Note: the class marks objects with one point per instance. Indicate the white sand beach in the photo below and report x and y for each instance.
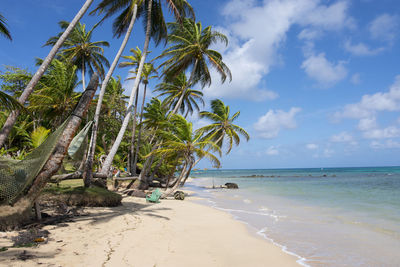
(170, 233)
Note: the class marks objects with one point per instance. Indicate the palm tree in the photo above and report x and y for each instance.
(186, 144)
(3, 28)
(133, 62)
(130, 10)
(126, 20)
(56, 96)
(148, 71)
(172, 90)
(190, 50)
(81, 51)
(222, 127)
(156, 118)
(4, 132)
(155, 27)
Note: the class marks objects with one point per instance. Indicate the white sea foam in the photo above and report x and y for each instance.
(301, 260)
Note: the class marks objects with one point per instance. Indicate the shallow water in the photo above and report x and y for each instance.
(328, 217)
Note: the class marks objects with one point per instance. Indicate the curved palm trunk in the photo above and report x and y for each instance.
(12, 118)
(184, 174)
(140, 128)
(83, 76)
(88, 174)
(132, 150)
(110, 157)
(175, 110)
(187, 175)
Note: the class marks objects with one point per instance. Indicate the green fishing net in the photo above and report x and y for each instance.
(16, 176)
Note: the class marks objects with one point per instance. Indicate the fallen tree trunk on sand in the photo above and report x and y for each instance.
(21, 210)
(74, 175)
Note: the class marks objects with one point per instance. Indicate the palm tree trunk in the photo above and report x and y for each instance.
(83, 76)
(132, 150)
(156, 169)
(140, 128)
(184, 173)
(175, 110)
(88, 174)
(110, 157)
(187, 175)
(12, 118)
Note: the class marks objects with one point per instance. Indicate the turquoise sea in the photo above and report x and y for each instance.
(326, 217)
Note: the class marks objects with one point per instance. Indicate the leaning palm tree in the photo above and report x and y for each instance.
(222, 127)
(191, 50)
(182, 141)
(149, 72)
(7, 127)
(154, 28)
(132, 61)
(3, 28)
(79, 49)
(124, 23)
(173, 90)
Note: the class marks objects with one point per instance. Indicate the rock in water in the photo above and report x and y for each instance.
(179, 195)
(231, 186)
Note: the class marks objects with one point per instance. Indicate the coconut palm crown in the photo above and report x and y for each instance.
(173, 90)
(188, 144)
(189, 49)
(222, 127)
(108, 8)
(81, 51)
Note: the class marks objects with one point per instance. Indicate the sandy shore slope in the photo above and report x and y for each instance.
(171, 233)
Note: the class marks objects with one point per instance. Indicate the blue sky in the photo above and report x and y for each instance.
(316, 81)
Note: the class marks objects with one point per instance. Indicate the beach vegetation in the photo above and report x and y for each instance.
(161, 146)
(79, 49)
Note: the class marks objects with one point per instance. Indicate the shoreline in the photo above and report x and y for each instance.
(171, 233)
(260, 232)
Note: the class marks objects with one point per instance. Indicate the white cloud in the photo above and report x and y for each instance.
(388, 132)
(272, 151)
(370, 104)
(384, 27)
(309, 34)
(388, 144)
(258, 30)
(247, 77)
(367, 109)
(325, 72)
(270, 124)
(312, 146)
(361, 49)
(366, 124)
(355, 78)
(342, 137)
(331, 17)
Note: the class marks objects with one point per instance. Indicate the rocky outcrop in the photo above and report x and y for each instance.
(231, 186)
